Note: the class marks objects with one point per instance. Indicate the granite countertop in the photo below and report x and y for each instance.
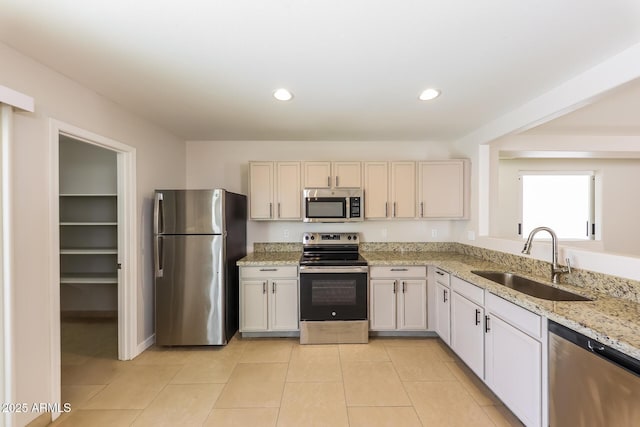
(612, 321)
(270, 258)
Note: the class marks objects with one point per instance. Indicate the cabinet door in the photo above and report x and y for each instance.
(442, 317)
(347, 174)
(514, 370)
(288, 190)
(441, 189)
(376, 184)
(403, 189)
(383, 304)
(261, 190)
(253, 300)
(317, 174)
(467, 332)
(283, 307)
(412, 304)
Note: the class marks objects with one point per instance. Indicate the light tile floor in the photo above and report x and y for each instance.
(272, 382)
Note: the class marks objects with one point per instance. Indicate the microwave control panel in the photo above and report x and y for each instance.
(354, 207)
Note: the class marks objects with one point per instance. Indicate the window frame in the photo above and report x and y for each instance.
(592, 231)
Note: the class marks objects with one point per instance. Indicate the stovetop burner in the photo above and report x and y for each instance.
(331, 249)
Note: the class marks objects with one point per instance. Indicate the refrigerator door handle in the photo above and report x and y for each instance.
(159, 251)
(158, 214)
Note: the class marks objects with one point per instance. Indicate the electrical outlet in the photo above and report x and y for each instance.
(383, 231)
(286, 233)
(434, 232)
(471, 235)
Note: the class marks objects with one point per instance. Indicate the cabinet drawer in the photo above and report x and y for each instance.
(442, 277)
(468, 290)
(397, 272)
(269, 271)
(528, 322)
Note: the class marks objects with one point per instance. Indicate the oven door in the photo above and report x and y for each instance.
(333, 293)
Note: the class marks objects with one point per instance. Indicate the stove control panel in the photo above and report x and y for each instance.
(330, 238)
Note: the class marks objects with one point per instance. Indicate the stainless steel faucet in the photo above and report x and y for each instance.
(556, 269)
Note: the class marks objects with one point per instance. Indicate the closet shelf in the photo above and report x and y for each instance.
(88, 195)
(89, 278)
(87, 223)
(87, 251)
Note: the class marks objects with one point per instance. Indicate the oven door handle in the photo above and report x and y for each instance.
(334, 269)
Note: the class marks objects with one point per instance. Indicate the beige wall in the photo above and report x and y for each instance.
(225, 164)
(160, 163)
(616, 208)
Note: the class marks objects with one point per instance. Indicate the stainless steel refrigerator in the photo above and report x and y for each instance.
(198, 237)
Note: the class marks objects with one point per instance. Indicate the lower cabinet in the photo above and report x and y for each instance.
(440, 304)
(501, 342)
(269, 299)
(467, 324)
(514, 358)
(398, 298)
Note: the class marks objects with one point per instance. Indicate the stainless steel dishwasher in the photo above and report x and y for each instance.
(590, 384)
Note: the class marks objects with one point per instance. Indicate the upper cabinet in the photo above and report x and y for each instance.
(275, 191)
(403, 189)
(390, 190)
(443, 189)
(332, 175)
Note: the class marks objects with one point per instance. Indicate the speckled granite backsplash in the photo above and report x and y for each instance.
(615, 286)
(277, 247)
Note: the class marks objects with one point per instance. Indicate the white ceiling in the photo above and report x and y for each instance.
(206, 69)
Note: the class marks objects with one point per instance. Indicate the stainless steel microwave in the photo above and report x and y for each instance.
(326, 205)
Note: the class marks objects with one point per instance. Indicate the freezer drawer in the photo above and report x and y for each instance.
(190, 291)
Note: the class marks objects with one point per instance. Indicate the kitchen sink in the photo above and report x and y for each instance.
(530, 287)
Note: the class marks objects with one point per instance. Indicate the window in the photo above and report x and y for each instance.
(563, 201)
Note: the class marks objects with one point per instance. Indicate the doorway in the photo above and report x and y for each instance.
(94, 247)
(88, 209)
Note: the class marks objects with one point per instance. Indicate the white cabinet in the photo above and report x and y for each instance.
(442, 189)
(376, 190)
(439, 304)
(514, 358)
(403, 189)
(398, 298)
(467, 324)
(268, 298)
(275, 191)
(332, 174)
(390, 190)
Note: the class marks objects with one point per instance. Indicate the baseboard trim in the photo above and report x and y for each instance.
(145, 345)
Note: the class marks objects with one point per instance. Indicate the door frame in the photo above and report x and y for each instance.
(127, 245)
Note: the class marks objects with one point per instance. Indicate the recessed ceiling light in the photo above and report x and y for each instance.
(429, 94)
(282, 94)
